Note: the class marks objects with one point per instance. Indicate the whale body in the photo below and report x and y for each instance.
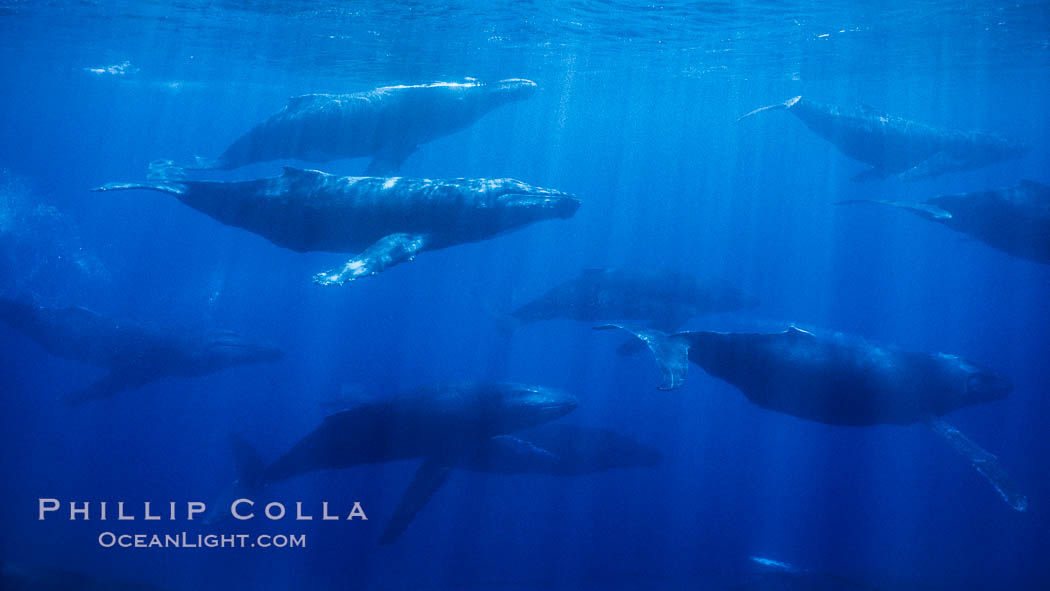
(654, 297)
(387, 123)
(837, 379)
(1014, 220)
(134, 353)
(389, 220)
(895, 146)
(441, 425)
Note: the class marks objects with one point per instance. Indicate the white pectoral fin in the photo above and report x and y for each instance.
(430, 475)
(386, 252)
(983, 461)
(924, 209)
(671, 352)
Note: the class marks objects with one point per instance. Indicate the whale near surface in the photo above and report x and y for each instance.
(441, 425)
(387, 124)
(895, 146)
(838, 379)
(134, 353)
(1014, 220)
(387, 220)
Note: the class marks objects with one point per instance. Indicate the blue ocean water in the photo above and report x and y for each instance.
(635, 114)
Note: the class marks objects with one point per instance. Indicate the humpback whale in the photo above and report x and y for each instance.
(387, 123)
(387, 220)
(1015, 220)
(135, 354)
(440, 425)
(840, 380)
(657, 298)
(895, 146)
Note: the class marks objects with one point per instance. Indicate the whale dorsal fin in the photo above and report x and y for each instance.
(795, 331)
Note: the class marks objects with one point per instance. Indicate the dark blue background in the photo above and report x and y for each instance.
(635, 115)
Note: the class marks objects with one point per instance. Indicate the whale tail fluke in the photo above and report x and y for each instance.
(671, 352)
(983, 461)
(165, 170)
(202, 163)
(164, 176)
(250, 470)
(777, 107)
(250, 464)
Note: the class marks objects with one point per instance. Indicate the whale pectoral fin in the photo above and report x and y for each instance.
(430, 475)
(983, 461)
(386, 252)
(523, 449)
(389, 161)
(924, 209)
(671, 353)
(872, 174)
(932, 167)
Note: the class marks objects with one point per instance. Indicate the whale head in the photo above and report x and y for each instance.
(487, 96)
(520, 203)
(515, 406)
(983, 385)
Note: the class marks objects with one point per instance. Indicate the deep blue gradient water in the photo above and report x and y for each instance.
(635, 114)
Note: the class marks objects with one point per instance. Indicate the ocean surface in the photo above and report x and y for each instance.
(635, 114)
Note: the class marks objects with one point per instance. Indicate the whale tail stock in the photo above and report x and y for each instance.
(250, 470)
(670, 350)
(983, 461)
(777, 107)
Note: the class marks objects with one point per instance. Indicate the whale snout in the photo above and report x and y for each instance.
(514, 194)
(538, 404)
(986, 386)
